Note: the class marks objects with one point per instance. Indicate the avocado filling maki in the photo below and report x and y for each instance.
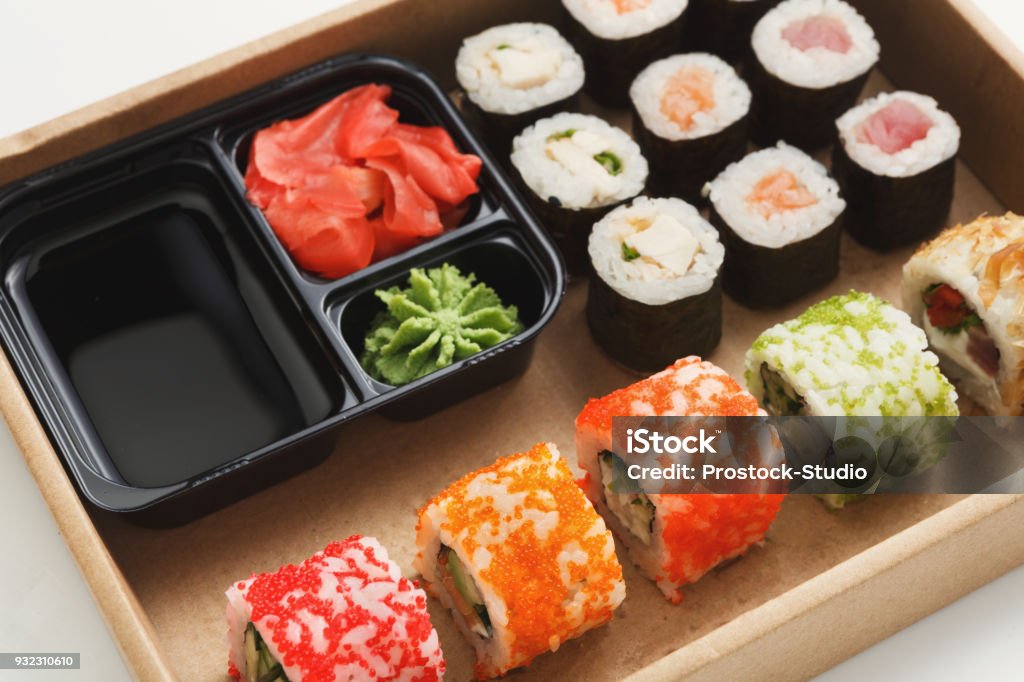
(967, 341)
(781, 399)
(464, 592)
(260, 665)
(634, 510)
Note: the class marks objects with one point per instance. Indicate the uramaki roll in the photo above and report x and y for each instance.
(673, 539)
(520, 557)
(966, 289)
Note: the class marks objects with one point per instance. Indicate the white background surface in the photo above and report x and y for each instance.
(58, 55)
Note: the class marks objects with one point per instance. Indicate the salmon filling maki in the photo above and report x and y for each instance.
(780, 215)
(349, 184)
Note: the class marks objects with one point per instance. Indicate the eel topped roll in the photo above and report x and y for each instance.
(520, 557)
(515, 74)
(618, 38)
(345, 613)
(896, 163)
(655, 290)
(674, 539)
(966, 288)
(690, 117)
(811, 59)
(575, 169)
(780, 216)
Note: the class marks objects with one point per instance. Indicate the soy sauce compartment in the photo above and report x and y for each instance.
(170, 346)
(414, 95)
(503, 261)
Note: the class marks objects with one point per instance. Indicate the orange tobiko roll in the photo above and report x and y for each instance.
(674, 539)
(520, 557)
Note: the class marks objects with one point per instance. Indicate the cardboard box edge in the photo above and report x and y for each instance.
(783, 635)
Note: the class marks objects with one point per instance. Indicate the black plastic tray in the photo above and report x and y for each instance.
(178, 357)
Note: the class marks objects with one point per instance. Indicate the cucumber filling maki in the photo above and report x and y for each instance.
(260, 664)
(464, 592)
(781, 399)
(961, 335)
(633, 509)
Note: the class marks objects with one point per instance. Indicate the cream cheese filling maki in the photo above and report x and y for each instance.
(655, 290)
(966, 289)
(514, 74)
(780, 216)
(811, 60)
(896, 163)
(575, 169)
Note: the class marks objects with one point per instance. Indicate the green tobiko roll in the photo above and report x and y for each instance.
(442, 316)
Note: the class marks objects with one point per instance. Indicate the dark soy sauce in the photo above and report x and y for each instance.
(175, 348)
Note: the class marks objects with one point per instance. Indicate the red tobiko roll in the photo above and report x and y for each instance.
(345, 613)
(348, 184)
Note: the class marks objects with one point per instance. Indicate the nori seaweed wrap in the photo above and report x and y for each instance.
(655, 290)
(810, 61)
(573, 169)
(690, 115)
(780, 217)
(896, 164)
(513, 75)
(618, 38)
(723, 27)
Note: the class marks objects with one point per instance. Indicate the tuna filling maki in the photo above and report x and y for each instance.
(464, 592)
(780, 398)
(634, 510)
(260, 665)
(962, 335)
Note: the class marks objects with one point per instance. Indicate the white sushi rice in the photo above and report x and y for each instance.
(602, 18)
(645, 279)
(940, 144)
(515, 68)
(729, 191)
(854, 355)
(731, 96)
(817, 67)
(558, 165)
(960, 257)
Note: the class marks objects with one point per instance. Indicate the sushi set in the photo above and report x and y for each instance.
(354, 339)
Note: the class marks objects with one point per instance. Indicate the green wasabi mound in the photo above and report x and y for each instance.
(441, 317)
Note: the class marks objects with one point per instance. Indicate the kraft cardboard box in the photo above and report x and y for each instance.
(858, 576)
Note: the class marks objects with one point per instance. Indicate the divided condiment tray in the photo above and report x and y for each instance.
(177, 355)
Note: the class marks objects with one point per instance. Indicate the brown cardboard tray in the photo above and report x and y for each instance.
(822, 587)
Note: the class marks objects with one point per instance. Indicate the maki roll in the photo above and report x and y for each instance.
(723, 27)
(345, 613)
(850, 355)
(515, 74)
(673, 539)
(896, 163)
(617, 38)
(690, 116)
(780, 217)
(966, 288)
(575, 169)
(521, 559)
(655, 290)
(810, 61)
